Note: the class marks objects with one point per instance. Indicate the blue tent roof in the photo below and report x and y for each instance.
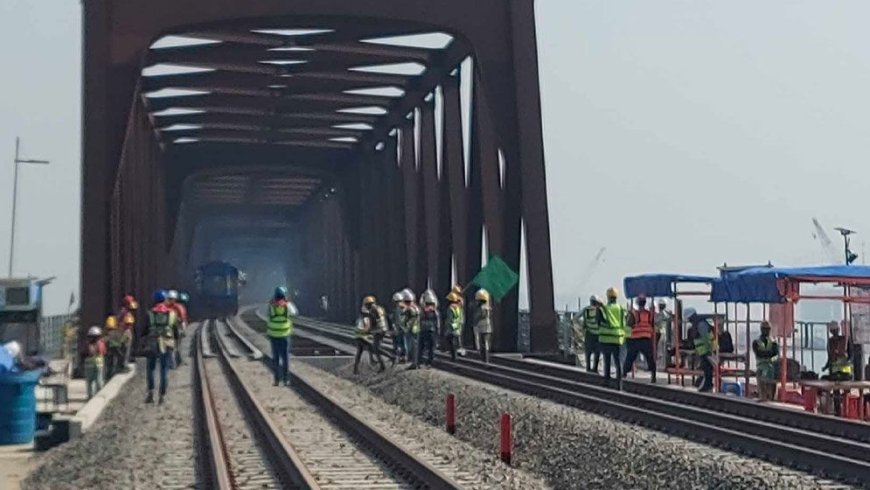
(759, 284)
(659, 284)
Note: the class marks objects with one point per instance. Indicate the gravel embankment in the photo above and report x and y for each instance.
(433, 444)
(571, 448)
(132, 445)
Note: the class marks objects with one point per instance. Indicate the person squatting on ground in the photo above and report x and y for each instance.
(453, 323)
(766, 351)
(279, 329)
(400, 351)
(94, 363)
(611, 335)
(586, 327)
(159, 342)
(641, 340)
(483, 324)
(430, 320)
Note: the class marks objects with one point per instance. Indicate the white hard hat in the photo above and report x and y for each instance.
(172, 294)
(408, 295)
(13, 348)
(663, 301)
(94, 331)
(689, 312)
(428, 297)
(397, 297)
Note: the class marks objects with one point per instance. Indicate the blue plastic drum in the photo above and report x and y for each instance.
(18, 407)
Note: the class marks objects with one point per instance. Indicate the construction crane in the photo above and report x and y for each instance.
(586, 273)
(827, 245)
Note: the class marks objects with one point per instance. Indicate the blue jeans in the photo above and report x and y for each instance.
(280, 358)
(425, 346)
(165, 361)
(399, 348)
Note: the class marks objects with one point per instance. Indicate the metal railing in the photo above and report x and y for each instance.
(52, 343)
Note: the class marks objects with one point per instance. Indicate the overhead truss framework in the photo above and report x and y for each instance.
(350, 120)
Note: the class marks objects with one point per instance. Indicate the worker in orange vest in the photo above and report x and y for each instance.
(640, 341)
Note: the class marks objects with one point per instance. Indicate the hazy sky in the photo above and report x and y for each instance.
(678, 134)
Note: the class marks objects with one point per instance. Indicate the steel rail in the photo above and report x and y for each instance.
(211, 448)
(283, 458)
(413, 469)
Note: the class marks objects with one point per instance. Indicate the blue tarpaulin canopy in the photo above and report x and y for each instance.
(660, 285)
(759, 284)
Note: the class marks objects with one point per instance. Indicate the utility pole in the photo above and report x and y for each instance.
(17, 160)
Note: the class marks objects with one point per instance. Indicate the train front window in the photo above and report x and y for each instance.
(17, 296)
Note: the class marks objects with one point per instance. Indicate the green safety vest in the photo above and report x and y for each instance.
(279, 324)
(764, 365)
(613, 331)
(704, 344)
(363, 330)
(116, 338)
(455, 320)
(590, 320)
(160, 324)
(412, 320)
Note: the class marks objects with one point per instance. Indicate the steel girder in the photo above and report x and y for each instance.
(396, 218)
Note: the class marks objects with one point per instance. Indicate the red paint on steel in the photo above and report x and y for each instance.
(451, 413)
(506, 438)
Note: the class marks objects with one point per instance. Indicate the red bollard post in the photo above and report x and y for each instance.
(506, 438)
(451, 413)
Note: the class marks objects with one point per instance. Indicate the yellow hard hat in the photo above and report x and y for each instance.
(612, 293)
(111, 322)
(369, 300)
(453, 297)
(482, 295)
(129, 319)
(457, 289)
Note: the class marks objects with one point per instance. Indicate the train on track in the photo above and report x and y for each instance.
(217, 290)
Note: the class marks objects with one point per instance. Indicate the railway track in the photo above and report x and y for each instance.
(827, 449)
(239, 441)
(332, 447)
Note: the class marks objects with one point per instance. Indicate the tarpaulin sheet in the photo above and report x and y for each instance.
(760, 284)
(659, 285)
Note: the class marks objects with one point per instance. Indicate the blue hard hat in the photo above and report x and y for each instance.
(281, 292)
(160, 296)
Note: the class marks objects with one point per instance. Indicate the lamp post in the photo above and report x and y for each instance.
(849, 255)
(17, 160)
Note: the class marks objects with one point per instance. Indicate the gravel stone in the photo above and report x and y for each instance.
(132, 445)
(432, 443)
(570, 448)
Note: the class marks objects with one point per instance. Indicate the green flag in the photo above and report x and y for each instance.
(496, 277)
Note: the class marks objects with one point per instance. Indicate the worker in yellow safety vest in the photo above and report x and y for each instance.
(611, 335)
(454, 322)
(706, 347)
(279, 329)
(159, 344)
(585, 330)
(766, 351)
